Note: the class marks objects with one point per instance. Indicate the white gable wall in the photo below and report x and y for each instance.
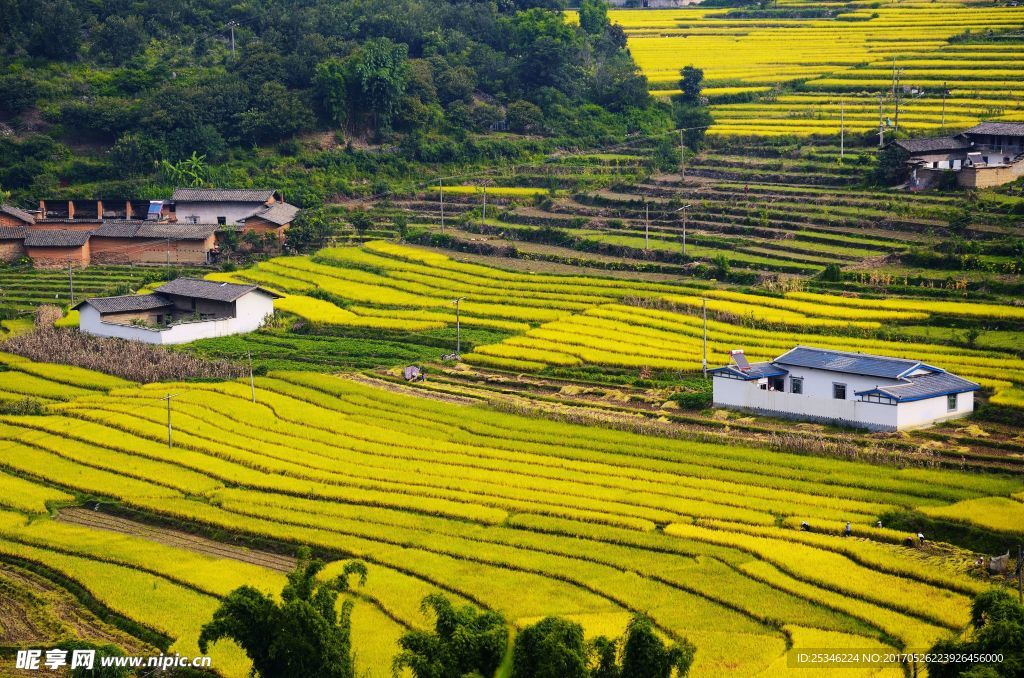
(818, 383)
(207, 212)
(251, 311)
(920, 413)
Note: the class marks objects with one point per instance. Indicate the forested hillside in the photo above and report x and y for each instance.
(108, 96)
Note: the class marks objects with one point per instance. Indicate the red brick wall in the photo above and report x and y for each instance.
(59, 257)
(11, 249)
(8, 220)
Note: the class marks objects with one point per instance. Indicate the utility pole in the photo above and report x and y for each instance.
(168, 252)
(483, 215)
(683, 210)
(170, 429)
(945, 93)
(842, 130)
(231, 25)
(1020, 572)
(682, 156)
(899, 74)
(252, 382)
(881, 123)
(458, 327)
(647, 226)
(71, 282)
(440, 187)
(704, 359)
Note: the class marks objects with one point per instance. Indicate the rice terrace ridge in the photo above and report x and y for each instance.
(525, 339)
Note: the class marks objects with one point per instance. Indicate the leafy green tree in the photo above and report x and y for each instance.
(691, 83)
(645, 655)
(382, 70)
(278, 113)
(332, 81)
(191, 171)
(119, 39)
(891, 168)
(136, 153)
(594, 16)
(603, 653)
(524, 117)
(464, 642)
(551, 648)
(619, 84)
(309, 230)
(401, 223)
(303, 635)
(997, 626)
(360, 220)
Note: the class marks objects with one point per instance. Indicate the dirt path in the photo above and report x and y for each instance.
(179, 539)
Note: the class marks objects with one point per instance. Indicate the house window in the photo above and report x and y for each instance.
(796, 384)
(222, 220)
(776, 384)
(935, 164)
(839, 391)
(951, 402)
(193, 219)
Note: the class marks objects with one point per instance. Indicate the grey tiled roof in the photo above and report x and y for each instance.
(118, 228)
(176, 231)
(279, 213)
(1013, 129)
(13, 232)
(56, 238)
(925, 386)
(221, 195)
(127, 303)
(27, 217)
(756, 371)
(205, 289)
(933, 144)
(850, 363)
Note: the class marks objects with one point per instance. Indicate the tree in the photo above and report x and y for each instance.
(382, 70)
(361, 220)
(594, 16)
(892, 165)
(997, 626)
(136, 153)
(277, 113)
(551, 648)
(401, 223)
(332, 80)
(691, 83)
(524, 117)
(619, 85)
(309, 230)
(119, 39)
(303, 635)
(645, 655)
(464, 642)
(192, 171)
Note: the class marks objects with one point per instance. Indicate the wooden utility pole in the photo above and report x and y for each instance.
(440, 187)
(170, 428)
(945, 93)
(458, 327)
(682, 155)
(881, 123)
(252, 382)
(483, 215)
(898, 96)
(71, 282)
(647, 226)
(704, 360)
(842, 130)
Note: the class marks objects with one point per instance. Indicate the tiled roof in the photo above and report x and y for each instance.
(1013, 129)
(849, 363)
(206, 289)
(118, 228)
(127, 303)
(279, 213)
(925, 386)
(756, 371)
(177, 231)
(933, 144)
(13, 232)
(56, 238)
(221, 195)
(27, 217)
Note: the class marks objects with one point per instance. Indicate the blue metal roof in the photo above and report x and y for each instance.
(756, 371)
(923, 387)
(850, 363)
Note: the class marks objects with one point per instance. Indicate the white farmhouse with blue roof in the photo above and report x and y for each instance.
(858, 389)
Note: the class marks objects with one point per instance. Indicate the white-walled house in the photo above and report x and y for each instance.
(857, 389)
(181, 311)
(221, 205)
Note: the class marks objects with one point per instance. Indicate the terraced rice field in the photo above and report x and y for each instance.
(567, 321)
(798, 71)
(527, 516)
